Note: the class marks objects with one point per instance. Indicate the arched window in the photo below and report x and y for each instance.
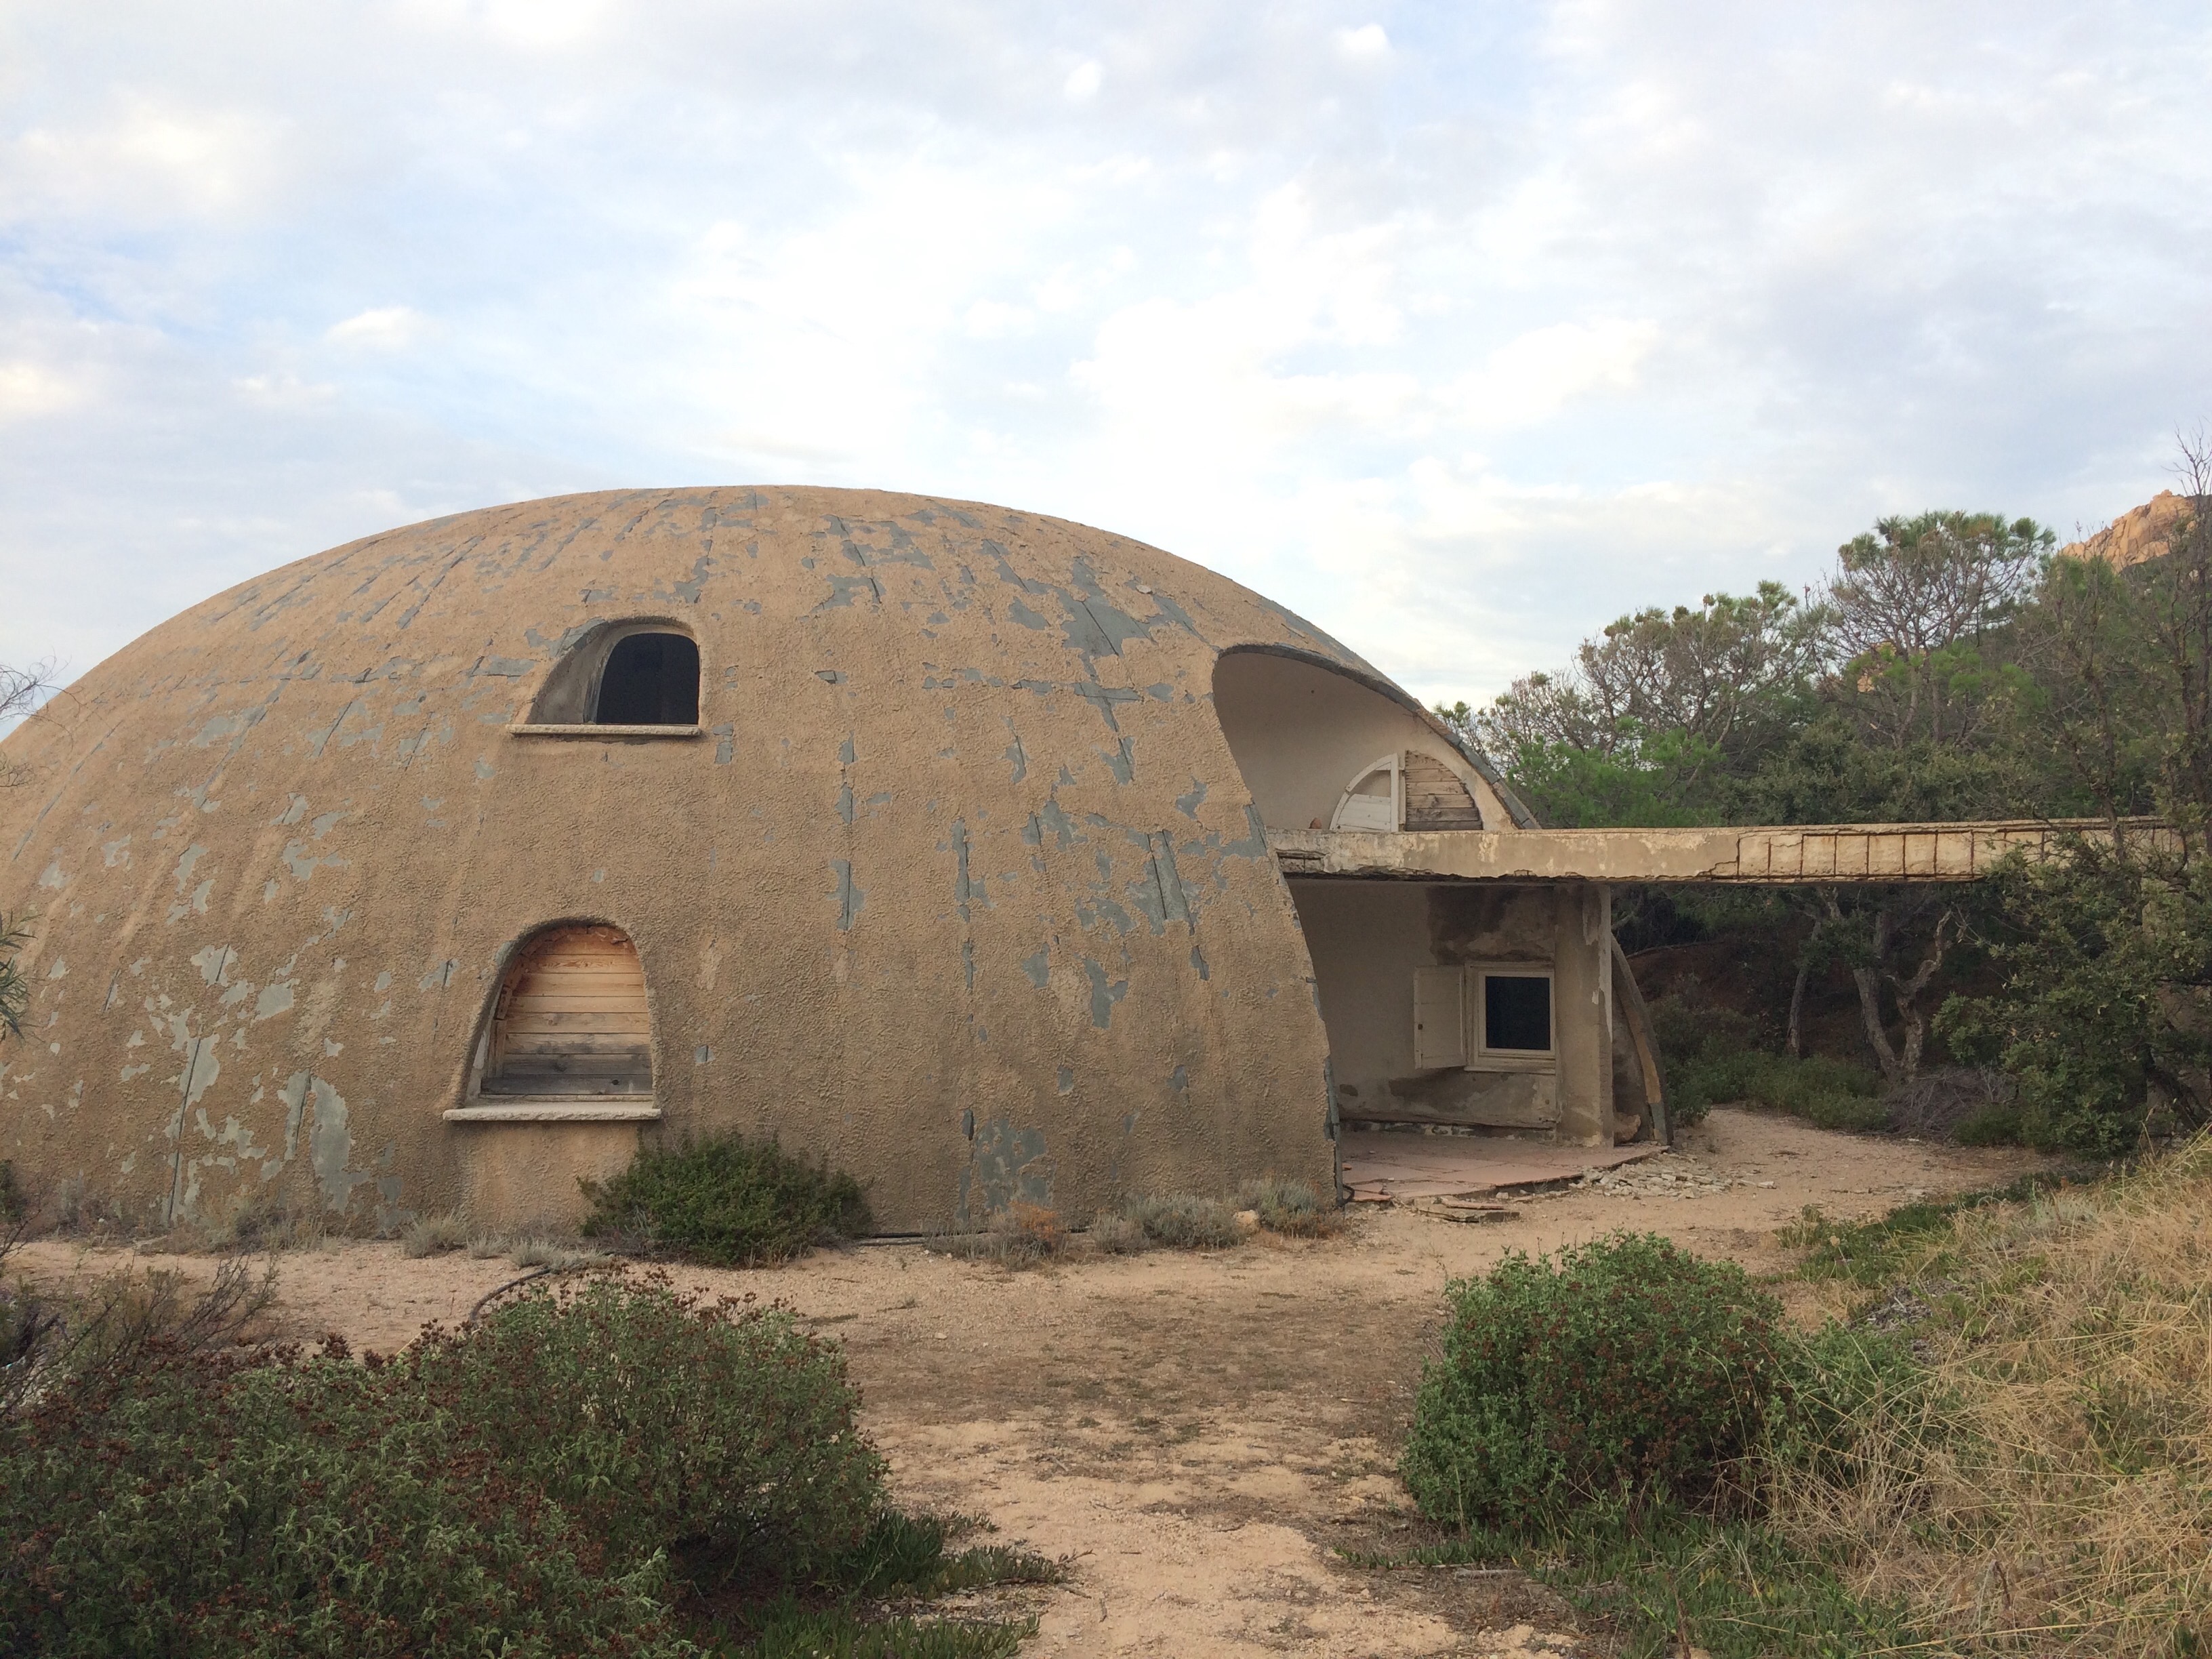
(1408, 791)
(650, 679)
(642, 673)
(1296, 729)
(571, 1018)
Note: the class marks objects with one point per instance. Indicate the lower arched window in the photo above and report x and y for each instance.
(571, 1018)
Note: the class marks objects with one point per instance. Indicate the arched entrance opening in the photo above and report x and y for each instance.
(1488, 1005)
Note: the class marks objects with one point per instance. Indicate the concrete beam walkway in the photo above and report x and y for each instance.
(1816, 853)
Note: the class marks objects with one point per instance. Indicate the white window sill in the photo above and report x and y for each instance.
(568, 1108)
(1513, 1062)
(606, 734)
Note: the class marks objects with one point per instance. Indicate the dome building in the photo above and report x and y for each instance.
(432, 872)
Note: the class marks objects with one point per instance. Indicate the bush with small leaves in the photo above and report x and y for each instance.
(1117, 1235)
(203, 1508)
(717, 1432)
(1617, 1368)
(728, 1201)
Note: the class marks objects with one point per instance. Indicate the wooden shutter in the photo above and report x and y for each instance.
(571, 1018)
(1439, 1018)
(1435, 797)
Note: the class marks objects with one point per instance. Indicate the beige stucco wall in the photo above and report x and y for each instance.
(961, 888)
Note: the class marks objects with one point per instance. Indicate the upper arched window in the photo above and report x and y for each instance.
(650, 679)
(1298, 729)
(640, 674)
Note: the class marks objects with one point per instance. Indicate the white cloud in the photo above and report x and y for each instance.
(1460, 336)
(383, 328)
(1367, 44)
(146, 158)
(1533, 377)
(29, 389)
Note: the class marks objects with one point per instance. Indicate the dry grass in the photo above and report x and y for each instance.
(1020, 1235)
(2046, 1487)
(435, 1234)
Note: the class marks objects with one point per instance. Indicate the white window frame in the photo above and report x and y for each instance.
(1481, 1057)
(1394, 764)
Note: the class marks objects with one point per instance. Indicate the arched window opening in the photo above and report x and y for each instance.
(1371, 801)
(1435, 796)
(1408, 790)
(1298, 728)
(650, 679)
(571, 1018)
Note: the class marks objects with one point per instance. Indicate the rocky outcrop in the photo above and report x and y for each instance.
(2142, 533)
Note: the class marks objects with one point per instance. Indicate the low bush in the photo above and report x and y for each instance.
(728, 1201)
(1617, 1369)
(717, 1433)
(610, 1469)
(1288, 1206)
(299, 1508)
(1830, 1094)
(1117, 1235)
(1179, 1221)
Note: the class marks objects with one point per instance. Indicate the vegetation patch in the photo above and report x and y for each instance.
(1617, 1371)
(1290, 1208)
(613, 1469)
(1713, 1058)
(1174, 1221)
(1022, 1234)
(2047, 1469)
(2002, 1444)
(728, 1200)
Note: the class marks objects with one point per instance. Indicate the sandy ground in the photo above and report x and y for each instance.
(1200, 1434)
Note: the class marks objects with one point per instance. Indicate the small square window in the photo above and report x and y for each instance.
(1516, 1013)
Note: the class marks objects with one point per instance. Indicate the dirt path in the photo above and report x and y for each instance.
(1200, 1433)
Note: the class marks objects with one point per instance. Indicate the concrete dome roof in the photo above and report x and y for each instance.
(958, 884)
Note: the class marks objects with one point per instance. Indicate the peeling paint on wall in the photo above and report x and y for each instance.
(1006, 1166)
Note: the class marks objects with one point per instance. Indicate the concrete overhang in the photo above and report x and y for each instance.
(1816, 853)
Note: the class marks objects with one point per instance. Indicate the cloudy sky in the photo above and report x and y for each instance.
(1460, 327)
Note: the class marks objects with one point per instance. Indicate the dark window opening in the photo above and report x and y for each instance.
(1517, 1012)
(650, 679)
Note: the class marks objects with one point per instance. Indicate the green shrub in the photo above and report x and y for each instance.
(523, 1486)
(727, 1201)
(1618, 1367)
(1179, 1221)
(1992, 1126)
(193, 1507)
(906, 1554)
(1288, 1206)
(721, 1434)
